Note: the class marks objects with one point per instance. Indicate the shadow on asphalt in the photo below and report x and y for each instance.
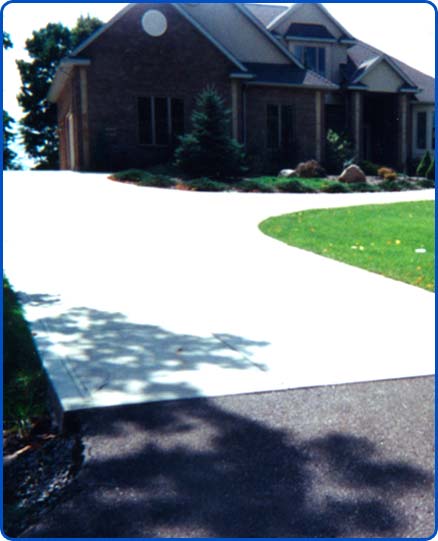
(191, 469)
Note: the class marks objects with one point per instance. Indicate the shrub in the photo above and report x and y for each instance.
(206, 185)
(156, 181)
(339, 151)
(426, 183)
(369, 168)
(363, 187)
(253, 186)
(130, 175)
(294, 186)
(209, 150)
(424, 165)
(387, 173)
(430, 173)
(391, 185)
(310, 169)
(335, 187)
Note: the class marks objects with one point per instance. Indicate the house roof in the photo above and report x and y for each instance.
(345, 35)
(369, 65)
(284, 75)
(235, 27)
(265, 13)
(365, 55)
(309, 31)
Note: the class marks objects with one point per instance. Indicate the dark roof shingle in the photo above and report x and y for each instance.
(265, 13)
(302, 30)
(283, 74)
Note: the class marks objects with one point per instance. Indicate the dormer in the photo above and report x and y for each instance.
(315, 38)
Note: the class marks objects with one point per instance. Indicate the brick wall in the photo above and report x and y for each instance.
(304, 126)
(127, 63)
(69, 103)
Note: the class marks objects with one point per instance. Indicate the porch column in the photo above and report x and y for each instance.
(85, 138)
(403, 130)
(319, 131)
(358, 123)
(235, 107)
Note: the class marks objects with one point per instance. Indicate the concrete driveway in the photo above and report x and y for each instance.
(141, 295)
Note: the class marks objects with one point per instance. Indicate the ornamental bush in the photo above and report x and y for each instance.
(424, 165)
(339, 151)
(209, 150)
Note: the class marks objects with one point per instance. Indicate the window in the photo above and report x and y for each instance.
(312, 57)
(160, 120)
(433, 131)
(279, 126)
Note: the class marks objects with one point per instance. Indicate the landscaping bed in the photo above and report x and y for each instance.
(269, 184)
(39, 464)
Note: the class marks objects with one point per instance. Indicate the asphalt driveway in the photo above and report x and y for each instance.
(348, 461)
(141, 295)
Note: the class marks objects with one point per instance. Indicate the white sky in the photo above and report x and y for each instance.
(403, 30)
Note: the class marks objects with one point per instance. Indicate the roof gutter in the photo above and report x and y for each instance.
(62, 75)
(293, 85)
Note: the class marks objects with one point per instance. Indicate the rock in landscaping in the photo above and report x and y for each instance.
(352, 174)
(287, 173)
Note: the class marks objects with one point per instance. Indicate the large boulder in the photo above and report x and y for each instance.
(353, 173)
(287, 173)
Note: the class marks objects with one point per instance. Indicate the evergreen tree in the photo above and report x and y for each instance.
(46, 48)
(9, 155)
(7, 42)
(209, 150)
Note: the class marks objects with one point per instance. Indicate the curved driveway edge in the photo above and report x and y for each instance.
(140, 294)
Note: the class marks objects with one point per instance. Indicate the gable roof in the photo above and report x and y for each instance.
(371, 64)
(245, 37)
(361, 53)
(201, 16)
(265, 13)
(345, 35)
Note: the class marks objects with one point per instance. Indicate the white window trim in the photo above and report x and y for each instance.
(430, 120)
(314, 45)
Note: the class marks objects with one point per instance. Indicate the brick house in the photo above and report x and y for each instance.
(287, 75)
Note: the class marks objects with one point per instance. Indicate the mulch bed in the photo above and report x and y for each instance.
(37, 471)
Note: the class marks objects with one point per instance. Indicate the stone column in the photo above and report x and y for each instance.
(402, 131)
(85, 138)
(235, 108)
(358, 123)
(320, 126)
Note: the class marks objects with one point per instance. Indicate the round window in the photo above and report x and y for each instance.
(154, 23)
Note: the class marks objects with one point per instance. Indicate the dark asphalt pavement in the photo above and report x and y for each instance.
(351, 460)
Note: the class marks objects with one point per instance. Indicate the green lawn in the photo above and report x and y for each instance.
(396, 240)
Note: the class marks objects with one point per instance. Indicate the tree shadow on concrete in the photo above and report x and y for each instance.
(113, 360)
(197, 468)
(192, 468)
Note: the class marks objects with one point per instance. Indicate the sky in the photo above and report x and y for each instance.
(403, 30)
